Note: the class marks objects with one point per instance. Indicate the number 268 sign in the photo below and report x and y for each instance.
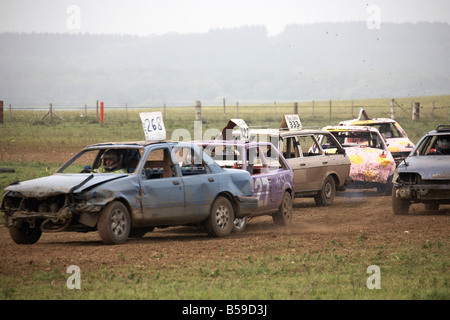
(153, 125)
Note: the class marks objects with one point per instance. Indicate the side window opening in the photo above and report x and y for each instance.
(159, 164)
(190, 161)
(309, 146)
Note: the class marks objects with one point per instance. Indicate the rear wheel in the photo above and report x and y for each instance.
(220, 222)
(399, 206)
(114, 223)
(284, 214)
(240, 224)
(325, 197)
(24, 233)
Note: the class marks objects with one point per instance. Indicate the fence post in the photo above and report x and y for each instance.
(237, 109)
(392, 110)
(1, 111)
(330, 110)
(295, 108)
(198, 110)
(352, 116)
(97, 110)
(275, 109)
(224, 110)
(432, 109)
(313, 114)
(416, 111)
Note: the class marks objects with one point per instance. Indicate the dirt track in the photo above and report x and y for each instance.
(352, 216)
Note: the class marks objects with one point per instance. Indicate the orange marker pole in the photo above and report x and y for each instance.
(101, 112)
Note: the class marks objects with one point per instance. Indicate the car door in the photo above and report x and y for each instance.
(162, 189)
(200, 185)
(262, 178)
(292, 155)
(336, 160)
(307, 161)
(314, 158)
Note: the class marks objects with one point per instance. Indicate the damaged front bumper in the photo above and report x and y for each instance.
(423, 192)
(50, 214)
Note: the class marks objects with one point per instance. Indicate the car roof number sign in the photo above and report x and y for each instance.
(243, 127)
(153, 125)
(291, 121)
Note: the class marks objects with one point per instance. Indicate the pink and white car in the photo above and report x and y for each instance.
(396, 138)
(372, 163)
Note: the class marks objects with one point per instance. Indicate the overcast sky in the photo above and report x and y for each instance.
(149, 17)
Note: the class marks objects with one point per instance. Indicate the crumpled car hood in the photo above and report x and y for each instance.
(59, 184)
(429, 167)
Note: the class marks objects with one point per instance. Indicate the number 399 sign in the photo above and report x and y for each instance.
(153, 125)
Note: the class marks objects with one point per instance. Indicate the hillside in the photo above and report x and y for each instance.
(305, 62)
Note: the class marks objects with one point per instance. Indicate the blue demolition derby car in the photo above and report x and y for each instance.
(128, 189)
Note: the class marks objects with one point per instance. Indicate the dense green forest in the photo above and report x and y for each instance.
(305, 62)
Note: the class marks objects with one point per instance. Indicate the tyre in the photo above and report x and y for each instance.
(240, 224)
(325, 197)
(220, 222)
(114, 223)
(399, 206)
(23, 233)
(284, 215)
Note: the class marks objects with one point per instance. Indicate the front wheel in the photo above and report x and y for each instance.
(399, 206)
(114, 223)
(24, 233)
(220, 222)
(325, 197)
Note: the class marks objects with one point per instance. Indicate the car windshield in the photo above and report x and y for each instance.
(104, 160)
(388, 130)
(359, 138)
(433, 145)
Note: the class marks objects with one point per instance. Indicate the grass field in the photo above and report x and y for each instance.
(329, 273)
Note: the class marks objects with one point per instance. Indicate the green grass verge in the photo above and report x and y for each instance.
(408, 273)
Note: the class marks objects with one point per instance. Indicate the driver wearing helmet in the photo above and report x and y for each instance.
(111, 162)
(443, 146)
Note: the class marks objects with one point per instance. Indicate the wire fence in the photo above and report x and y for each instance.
(252, 113)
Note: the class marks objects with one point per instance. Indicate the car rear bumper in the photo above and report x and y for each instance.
(246, 206)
